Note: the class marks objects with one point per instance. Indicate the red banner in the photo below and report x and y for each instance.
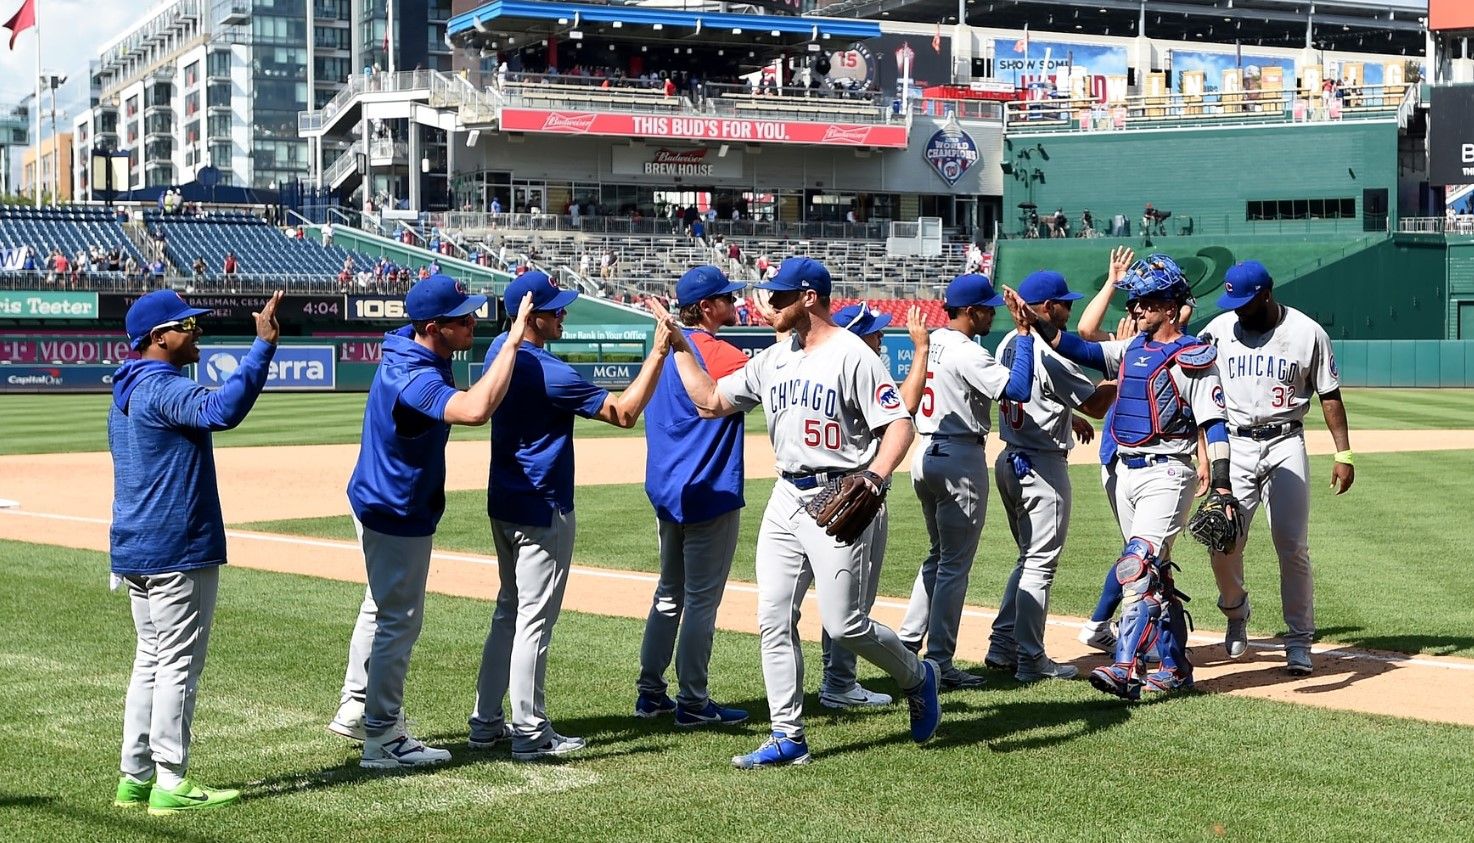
(737, 130)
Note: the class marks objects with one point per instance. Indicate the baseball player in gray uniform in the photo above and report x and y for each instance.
(832, 410)
(950, 471)
(841, 686)
(1271, 359)
(1033, 480)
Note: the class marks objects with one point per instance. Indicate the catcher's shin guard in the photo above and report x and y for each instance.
(1141, 593)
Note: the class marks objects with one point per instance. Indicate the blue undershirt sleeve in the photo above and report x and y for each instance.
(1215, 431)
(1084, 352)
(1020, 386)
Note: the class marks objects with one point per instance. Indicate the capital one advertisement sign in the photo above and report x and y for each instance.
(737, 130)
(701, 161)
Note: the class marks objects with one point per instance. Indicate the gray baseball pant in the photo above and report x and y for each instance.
(532, 564)
(388, 625)
(172, 614)
(792, 552)
(695, 560)
(951, 479)
(839, 662)
(1273, 472)
(1038, 510)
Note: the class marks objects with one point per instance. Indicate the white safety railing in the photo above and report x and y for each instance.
(1461, 224)
(1370, 102)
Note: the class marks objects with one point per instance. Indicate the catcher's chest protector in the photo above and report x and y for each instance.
(1148, 404)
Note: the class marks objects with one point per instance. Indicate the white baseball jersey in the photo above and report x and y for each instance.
(1199, 389)
(962, 381)
(824, 409)
(1043, 422)
(1269, 378)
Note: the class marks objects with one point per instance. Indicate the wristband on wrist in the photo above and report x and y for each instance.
(1345, 457)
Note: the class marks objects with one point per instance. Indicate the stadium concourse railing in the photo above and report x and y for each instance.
(117, 282)
(1462, 224)
(479, 224)
(1244, 108)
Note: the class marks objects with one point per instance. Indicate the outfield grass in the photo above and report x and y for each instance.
(1055, 761)
(1391, 573)
(43, 424)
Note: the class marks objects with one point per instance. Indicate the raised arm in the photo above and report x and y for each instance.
(914, 387)
(1094, 314)
(625, 410)
(701, 388)
(474, 406)
(227, 407)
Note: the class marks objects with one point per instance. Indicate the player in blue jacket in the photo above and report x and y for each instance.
(167, 541)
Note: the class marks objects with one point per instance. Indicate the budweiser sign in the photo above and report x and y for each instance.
(725, 130)
(575, 123)
(683, 162)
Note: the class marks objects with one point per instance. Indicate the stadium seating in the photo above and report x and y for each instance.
(68, 228)
(260, 249)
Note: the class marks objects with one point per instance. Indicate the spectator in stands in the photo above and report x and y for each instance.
(849, 216)
(199, 268)
(734, 256)
(130, 268)
(114, 260)
(606, 264)
(698, 231)
(231, 265)
(669, 87)
(1087, 224)
(327, 233)
(974, 258)
(158, 268)
(1060, 224)
(496, 205)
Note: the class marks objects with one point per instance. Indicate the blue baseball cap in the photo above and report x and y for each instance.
(972, 289)
(151, 311)
(437, 296)
(860, 320)
(1046, 285)
(703, 282)
(1242, 283)
(546, 295)
(799, 274)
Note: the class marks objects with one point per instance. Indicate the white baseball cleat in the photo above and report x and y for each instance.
(348, 722)
(398, 749)
(856, 697)
(1099, 635)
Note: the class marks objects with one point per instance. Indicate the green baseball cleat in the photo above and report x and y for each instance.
(189, 797)
(132, 794)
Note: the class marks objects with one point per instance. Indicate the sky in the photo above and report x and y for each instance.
(72, 33)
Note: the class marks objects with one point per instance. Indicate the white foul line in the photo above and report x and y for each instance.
(746, 588)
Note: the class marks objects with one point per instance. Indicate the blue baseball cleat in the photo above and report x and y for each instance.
(1167, 680)
(710, 714)
(777, 751)
(653, 705)
(926, 712)
(1117, 680)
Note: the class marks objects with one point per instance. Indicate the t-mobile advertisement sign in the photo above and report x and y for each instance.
(1451, 136)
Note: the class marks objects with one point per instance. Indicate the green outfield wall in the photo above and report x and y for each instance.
(1205, 174)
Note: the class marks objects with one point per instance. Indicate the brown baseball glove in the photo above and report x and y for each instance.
(846, 505)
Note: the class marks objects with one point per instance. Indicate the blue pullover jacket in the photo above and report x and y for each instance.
(166, 503)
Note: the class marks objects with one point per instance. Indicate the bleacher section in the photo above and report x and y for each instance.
(260, 248)
(71, 229)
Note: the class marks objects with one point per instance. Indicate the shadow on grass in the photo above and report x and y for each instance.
(7, 801)
(1435, 645)
(108, 823)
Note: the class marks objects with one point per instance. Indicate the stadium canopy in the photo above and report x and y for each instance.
(505, 24)
(195, 192)
(1380, 26)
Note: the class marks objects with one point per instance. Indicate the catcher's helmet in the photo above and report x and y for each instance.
(1155, 276)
